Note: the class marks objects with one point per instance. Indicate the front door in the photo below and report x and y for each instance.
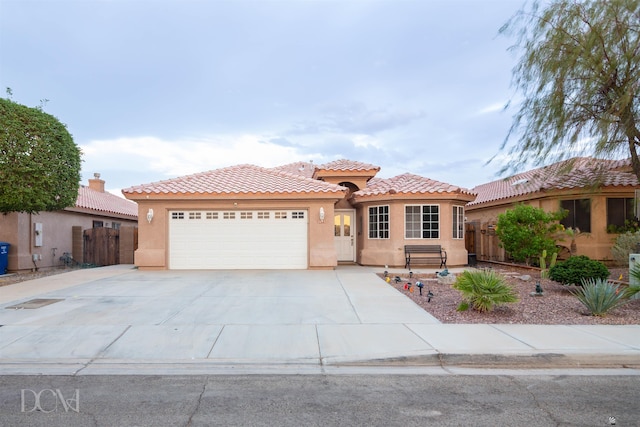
(344, 235)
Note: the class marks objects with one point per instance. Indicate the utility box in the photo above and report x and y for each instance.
(37, 234)
(4, 257)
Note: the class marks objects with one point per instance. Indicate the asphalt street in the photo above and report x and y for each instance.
(584, 398)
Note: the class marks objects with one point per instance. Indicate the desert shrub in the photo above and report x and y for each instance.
(625, 244)
(576, 268)
(483, 290)
(599, 296)
(526, 231)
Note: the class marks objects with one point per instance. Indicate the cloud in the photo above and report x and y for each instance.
(492, 108)
(355, 118)
(162, 159)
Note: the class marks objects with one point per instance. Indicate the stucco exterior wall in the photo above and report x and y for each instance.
(18, 230)
(380, 252)
(596, 244)
(153, 250)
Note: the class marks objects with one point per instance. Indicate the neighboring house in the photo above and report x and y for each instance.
(599, 195)
(295, 216)
(40, 240)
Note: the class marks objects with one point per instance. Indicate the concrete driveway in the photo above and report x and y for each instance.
(234, 317)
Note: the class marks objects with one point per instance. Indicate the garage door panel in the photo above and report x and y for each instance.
(213, 240)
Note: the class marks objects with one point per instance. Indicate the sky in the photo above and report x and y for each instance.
(155, 89)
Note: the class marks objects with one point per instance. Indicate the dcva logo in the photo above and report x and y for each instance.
(48, 400)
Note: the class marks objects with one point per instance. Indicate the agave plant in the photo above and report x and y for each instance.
(634, 273)
(600, 296)
(483, 290)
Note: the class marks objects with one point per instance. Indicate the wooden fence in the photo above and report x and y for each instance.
(481, 239)
(105, 246)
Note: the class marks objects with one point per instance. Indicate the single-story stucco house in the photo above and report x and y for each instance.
(599, 195)
(295, 216)
(39, 240)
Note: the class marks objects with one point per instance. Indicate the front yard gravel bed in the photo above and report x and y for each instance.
(557, 307)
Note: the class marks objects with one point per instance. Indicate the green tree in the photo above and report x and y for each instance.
(578, 74)
(526, 231)
(39, 162)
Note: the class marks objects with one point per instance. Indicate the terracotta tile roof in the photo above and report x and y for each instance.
(580, 172)
(348, 165)
(240, 179)
(105, 202)
(305, 169)
(408, 184)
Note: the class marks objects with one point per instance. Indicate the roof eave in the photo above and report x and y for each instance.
(146, 196)
(388, 196)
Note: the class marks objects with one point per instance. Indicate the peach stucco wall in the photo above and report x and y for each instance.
(18, 230)
(596, 244)
(153, 252)
(391, 251)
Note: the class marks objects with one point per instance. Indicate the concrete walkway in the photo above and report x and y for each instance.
(121, 320)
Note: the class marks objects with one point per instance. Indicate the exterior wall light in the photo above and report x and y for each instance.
(150, 215)
(321, 214)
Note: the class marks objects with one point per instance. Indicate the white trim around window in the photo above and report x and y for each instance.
(378, 222)
(422, 221)
(458, 222)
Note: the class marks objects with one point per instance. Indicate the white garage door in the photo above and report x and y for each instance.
(269, 239)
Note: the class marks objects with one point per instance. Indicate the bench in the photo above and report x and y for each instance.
(427, 254)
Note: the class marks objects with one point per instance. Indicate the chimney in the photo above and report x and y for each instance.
(96, 184)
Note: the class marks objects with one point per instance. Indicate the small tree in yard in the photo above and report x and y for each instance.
(525, 232)
(39, 162)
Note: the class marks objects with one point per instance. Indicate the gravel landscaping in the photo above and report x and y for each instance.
(556, 307)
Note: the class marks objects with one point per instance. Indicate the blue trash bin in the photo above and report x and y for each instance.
(4, 257)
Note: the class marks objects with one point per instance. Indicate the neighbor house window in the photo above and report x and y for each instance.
(619, 211)
(379, 222)
(458, 222)
(115, 225)
(422, 221)
(98, 224)
(579, 215)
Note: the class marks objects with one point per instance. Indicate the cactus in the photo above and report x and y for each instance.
(544, 271)
(554, 258)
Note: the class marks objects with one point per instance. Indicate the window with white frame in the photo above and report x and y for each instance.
(379, 222)
(458, 222)
(422, 222)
